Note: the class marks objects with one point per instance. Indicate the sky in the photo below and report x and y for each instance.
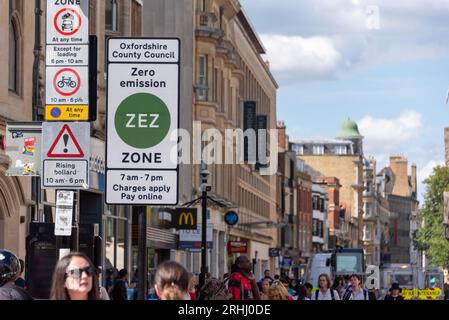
(382, 63)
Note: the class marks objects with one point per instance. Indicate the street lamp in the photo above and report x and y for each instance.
(204, 173)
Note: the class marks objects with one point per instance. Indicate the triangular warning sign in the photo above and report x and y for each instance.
(65, 145)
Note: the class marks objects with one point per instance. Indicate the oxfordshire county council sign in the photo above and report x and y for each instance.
(142, 116)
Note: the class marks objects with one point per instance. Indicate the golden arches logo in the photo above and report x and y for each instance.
(186, 216)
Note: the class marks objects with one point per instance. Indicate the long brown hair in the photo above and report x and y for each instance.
(58, 289)
(172, 279)
(328, 280)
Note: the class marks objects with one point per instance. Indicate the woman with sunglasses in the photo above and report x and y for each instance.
(75, 278)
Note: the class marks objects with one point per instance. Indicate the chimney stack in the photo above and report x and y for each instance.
(414, 181)
(399, 166)
(282, 136)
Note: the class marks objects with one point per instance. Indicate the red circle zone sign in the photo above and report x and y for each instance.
(67, 82)
(67, 21)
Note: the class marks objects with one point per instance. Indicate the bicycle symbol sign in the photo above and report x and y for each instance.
(67, 82)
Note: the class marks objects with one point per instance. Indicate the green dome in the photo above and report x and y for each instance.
(349, 130)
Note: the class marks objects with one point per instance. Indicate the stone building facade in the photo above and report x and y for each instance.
(341, 158)
(223, 69)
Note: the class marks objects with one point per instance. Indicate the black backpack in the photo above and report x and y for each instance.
(348, 292)
(318, 291)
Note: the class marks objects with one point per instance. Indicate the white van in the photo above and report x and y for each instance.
(339, 262)
(318, 264)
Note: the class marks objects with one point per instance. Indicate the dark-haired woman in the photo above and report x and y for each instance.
(172, 281)
(75, 278)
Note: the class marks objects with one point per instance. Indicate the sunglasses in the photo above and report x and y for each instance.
(76, 273)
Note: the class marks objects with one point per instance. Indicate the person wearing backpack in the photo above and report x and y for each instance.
(241, 284)
(325, 290)
(355, 291)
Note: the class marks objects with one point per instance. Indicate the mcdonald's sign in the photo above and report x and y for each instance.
(184, 218)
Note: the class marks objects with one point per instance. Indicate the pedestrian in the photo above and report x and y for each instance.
(301, 292)
(104, 295)
(242, 284)
(446, 291)
(75, 278)
(395, 293)
(214, 289)
(20, 281)
(286, 282)
(355, 291)
(109, 281)
(151, 292)
(266, 275)
(309, 290)
(372, 294)
(325, 290)
(194, 291)
(120, 290)
(266, 284)
(340, 285)
(9, 272)
(172, 281)
(277, 291)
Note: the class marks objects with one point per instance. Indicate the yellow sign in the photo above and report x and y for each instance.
(186, 216)
(425, 294)
(67, 113)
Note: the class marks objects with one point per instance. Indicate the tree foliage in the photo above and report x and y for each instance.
(430, 237)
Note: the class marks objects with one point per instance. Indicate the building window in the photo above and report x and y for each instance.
(341, 150)
(318, 149)
(298, 149)
(111, 15)
(369, 187)
(136, 18)
(215, 86)
(320, 229)
(315, 204)
(367, 236)
(315, 228)
(13, 57)
(202, 78)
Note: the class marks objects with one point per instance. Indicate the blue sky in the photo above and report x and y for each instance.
(382, 63)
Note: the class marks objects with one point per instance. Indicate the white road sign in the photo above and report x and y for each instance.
(67, 21)
(64, 198)
(67, 86)
(144, 50)
(63, 221)
(67, 60)
(142, 114)
(65, 154)
(67, 55)
(142, 186)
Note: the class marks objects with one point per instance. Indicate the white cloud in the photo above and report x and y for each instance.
(306, 58)
(409, 30)
(425, 172)
(400, 135)
(387, 134)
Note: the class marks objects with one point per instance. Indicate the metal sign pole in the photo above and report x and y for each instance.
(76, 217)
(204, 188)
(142, 257)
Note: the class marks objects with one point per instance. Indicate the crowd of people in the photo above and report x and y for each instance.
(76, 278)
